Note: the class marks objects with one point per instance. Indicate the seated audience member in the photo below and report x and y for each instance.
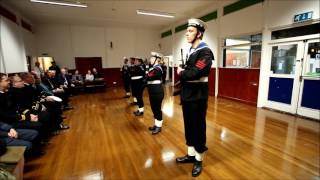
(17, 137)
(44, 100)
(89, 76)
(8, 110)
(77, 78)
(53, 85)
(96, 74)
(68, 74)
(65, 80)
(25, 96)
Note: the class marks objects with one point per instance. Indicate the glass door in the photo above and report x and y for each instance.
(285, 70)
(309, 96)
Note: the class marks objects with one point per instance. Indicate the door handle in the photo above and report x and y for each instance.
(299, 60)
(253, 83)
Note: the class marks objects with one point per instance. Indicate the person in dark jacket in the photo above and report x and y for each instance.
(194, 94)
(137, 80)
(156, 92)
(125, 71)
(55, 67)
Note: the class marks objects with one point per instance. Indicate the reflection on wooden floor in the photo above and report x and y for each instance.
(106, 141)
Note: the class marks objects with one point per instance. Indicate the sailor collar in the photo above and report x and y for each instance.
(200, 46)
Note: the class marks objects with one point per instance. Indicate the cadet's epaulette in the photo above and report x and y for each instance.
(36, 106)
(25, 111)
(23, 117)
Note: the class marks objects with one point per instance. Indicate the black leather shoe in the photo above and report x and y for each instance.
(197, 168)
(138, 113)
(126, 96)
(67, 108)
(156, 130)
(134, 103)
(63, 126)
(186, 159)
(152, 128)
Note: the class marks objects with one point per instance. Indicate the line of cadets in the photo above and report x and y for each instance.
(31, 109)
(194, 92)
(136, 76)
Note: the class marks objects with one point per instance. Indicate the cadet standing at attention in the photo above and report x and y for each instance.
(155, 89)
(194, 94)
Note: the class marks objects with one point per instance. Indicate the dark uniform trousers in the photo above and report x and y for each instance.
(195, 124)
(137, 91)
(156, 95)
(126, 78)
(126, 82)
(137, 82)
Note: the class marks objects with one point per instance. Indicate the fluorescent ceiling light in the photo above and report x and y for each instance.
(155, 13)
(61, 3)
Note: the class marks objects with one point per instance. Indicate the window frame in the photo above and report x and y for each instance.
(249, 65)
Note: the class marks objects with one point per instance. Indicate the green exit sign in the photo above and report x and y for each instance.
(302, 17)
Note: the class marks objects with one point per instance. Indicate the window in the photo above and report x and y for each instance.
(313, 60)
(242, 52)
(283, 59)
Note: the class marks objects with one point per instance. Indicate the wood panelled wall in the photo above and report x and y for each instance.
(212, 82)
(112, 75)
(239, 84)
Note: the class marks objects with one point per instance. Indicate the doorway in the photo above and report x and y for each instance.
(294, 79)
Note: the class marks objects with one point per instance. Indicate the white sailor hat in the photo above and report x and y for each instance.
(198, 23)
(155, 54)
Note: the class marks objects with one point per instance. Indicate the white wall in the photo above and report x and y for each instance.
(123, 41)
(166, 45)
(211, 37)
(64, 42)
(281, 13)
(12, 47)
(179, 42)
(244, 21)
(56, 42)
(29, 42)
(16, 43)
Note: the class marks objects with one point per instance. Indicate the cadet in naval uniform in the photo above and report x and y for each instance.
(137, 80)
(194, 94)
(155, 89)
(131, 69)
(126, 76)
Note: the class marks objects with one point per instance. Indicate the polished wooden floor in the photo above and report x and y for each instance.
(106, 141)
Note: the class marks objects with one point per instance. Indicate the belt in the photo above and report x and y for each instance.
(154, 82)
(136, 77)
(202, 79)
